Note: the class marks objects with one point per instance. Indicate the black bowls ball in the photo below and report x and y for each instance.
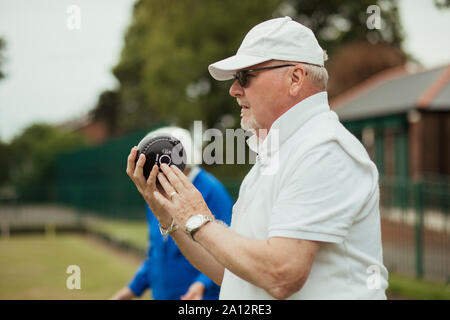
(159, 150)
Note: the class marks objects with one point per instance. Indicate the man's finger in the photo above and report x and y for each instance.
(173, 178)
(168, 189)
(184, 179)
(139, 170)
(131, 162)
(152, 176)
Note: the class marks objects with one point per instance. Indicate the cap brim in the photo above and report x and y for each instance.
(226, 68)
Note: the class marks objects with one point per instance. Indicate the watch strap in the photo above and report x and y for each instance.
(206, 219)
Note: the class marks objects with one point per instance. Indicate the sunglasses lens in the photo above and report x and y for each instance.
(241, 77)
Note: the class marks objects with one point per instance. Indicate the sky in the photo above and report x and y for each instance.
(55, 71)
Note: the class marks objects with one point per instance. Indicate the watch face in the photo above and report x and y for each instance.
(194, 222)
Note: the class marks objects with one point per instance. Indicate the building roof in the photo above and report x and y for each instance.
(395, 91)
(442, 99)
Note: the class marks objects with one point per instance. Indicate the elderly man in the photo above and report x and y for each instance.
(311, 228)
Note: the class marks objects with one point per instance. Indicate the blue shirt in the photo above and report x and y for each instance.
(166, 271)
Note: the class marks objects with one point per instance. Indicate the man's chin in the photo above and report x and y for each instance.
(249, 125)
(246, 126)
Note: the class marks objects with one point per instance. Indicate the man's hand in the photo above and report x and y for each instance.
(184, 200)
(147, 187)
(124, 294)
(195, 292)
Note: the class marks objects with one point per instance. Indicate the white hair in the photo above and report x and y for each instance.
(193, 152)
(318, 75)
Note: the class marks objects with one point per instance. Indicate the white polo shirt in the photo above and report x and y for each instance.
(316, 182)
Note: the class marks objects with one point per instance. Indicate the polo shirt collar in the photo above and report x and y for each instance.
(289, 122)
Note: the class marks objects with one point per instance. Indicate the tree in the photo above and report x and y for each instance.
(356, 51)
(442, 4)
(33, 155)
(336, 22)
(5, 162)
(107, 109)
(163, 66)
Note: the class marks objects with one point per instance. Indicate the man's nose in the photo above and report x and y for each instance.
(236, 89)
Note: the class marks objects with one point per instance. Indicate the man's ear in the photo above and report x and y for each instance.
(297, 79)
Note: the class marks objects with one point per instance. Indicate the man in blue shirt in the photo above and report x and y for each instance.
(166, 271)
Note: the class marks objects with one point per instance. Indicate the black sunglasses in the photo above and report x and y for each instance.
(241, 76)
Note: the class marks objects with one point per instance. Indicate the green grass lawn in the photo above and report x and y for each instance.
(132, 232)
(34, 267)
(417, 289)
(136, 233)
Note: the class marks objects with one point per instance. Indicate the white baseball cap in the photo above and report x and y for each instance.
(275, 39)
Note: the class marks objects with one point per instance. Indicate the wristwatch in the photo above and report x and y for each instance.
(195, 222)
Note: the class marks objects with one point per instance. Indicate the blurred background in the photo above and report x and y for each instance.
(81, 82)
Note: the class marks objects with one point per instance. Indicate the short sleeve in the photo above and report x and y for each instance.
(321, 196)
